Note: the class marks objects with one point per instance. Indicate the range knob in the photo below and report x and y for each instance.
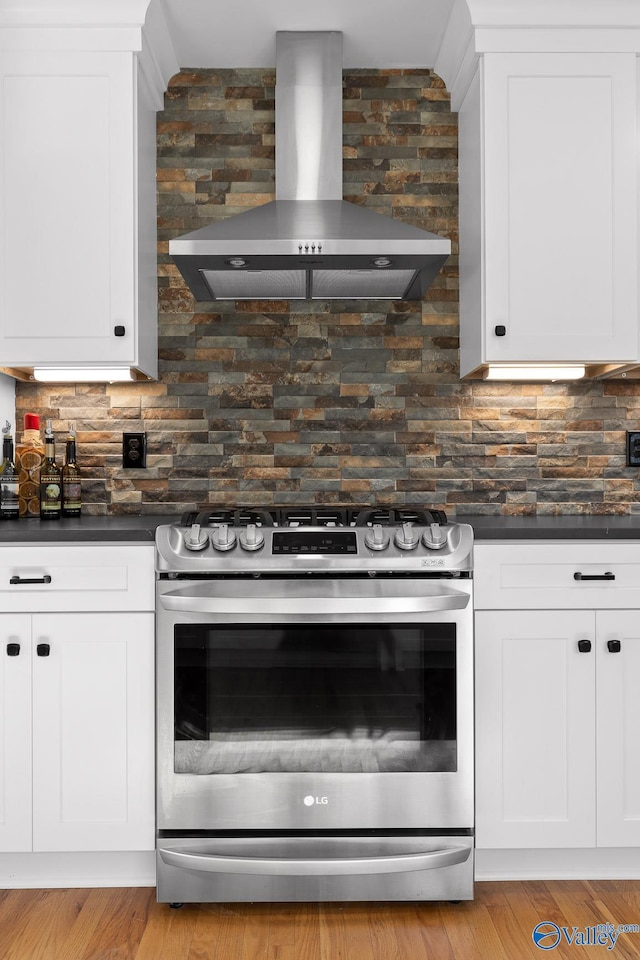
(223, 538)
(434, 538)
(194, 539)
(406, 537)
(376, 538)
(251, 538)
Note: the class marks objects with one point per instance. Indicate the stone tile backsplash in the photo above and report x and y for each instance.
(341, 402)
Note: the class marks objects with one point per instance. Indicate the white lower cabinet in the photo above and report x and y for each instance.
(15, 738)
(77, 732)
(535, 730)
(77, 718)
(557, 705)
(618, 729)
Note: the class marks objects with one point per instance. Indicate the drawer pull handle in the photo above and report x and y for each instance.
(594, 576)
(14, 580)
(43, 649)
(13, 649)
(584, 646)
(614, 646)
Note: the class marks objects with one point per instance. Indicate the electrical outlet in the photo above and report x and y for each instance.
(134, 450)
(633, 448)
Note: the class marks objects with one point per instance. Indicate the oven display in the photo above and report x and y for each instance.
(312, 541)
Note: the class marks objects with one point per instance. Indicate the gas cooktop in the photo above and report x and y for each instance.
(225, 541)
(312, 516)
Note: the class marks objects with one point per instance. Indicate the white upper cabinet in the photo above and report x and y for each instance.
(77, 193)
(548, 210)
(68, 268)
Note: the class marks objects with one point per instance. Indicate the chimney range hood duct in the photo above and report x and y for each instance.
(309, 244)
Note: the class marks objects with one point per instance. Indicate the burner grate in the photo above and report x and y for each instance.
(312, 516)
(234, 517)
(395, 516)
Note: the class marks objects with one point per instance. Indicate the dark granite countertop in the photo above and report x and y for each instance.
(553, 528)
(82, 530)
(142, 529)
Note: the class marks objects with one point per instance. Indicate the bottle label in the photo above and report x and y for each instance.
(9, 502)
(71, 495)
(49, 494)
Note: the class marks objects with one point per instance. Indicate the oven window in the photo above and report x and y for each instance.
(360, 698)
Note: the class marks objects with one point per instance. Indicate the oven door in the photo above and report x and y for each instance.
(311, 704)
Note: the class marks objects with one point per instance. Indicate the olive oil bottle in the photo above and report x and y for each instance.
(71, 489)
(50, 480)
(9, 504)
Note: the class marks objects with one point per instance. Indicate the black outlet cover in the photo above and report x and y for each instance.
(134, 451)
(633, 448)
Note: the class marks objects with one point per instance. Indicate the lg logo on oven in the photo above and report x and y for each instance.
(310, 801)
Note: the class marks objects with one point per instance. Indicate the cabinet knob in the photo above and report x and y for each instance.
(13, 649)
(614, 646)
(43, 649)
(500, 330)
(119, 330)
(584, 646)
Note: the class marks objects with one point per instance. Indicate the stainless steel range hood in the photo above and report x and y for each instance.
(309, 244)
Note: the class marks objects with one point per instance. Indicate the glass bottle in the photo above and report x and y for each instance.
(71, 489)
(50, 480)
(9, 503)
(29, 457)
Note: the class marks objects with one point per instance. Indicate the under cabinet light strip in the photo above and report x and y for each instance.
(81, 374)
(533, 371)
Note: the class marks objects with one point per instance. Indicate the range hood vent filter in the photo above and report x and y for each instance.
(300, 285)
(361, 284)
(255, 284)
(309, 244)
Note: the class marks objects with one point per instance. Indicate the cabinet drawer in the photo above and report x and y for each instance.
(552, 575)
(75, 578)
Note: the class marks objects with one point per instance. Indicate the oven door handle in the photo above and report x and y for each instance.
(333, 866)
(313, 605)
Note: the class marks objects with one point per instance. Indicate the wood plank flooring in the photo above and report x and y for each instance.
(128, 924)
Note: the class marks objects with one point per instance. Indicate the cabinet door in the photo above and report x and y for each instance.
(535, 729)
(93, 731)
(67, 205)
(560, 207)
(15, 733)
(618, 711)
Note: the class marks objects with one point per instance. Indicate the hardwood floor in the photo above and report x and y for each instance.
(128, 924)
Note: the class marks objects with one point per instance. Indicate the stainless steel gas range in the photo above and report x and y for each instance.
(315, 705)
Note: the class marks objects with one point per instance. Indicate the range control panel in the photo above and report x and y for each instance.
(313, 541)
